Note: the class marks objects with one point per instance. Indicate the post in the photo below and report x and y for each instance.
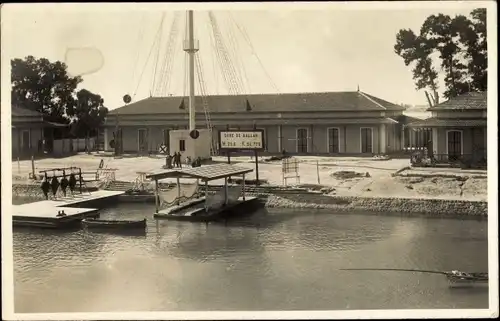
(191, 50)
(18, 166)
(345, 139)
(96, 145)
(256, 167)
(317, 171)
(156, 196)
(178, 191)
(33, 166)
(280, 138)
(403, 142)
(283, 172)
(382, 137)
(256, 161)
(226, 190)
(243, 186)
(80, 179)
(206, 196)
(228, 152)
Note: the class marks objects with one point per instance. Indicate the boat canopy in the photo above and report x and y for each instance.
(204, 173)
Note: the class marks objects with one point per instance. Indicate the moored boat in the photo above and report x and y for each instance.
(114, 224)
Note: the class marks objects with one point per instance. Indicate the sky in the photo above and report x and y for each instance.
(302, 49)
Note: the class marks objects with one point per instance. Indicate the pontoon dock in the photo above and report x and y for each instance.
(206, 207)
(44, 213)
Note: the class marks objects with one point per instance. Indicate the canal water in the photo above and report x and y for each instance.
(276, 260)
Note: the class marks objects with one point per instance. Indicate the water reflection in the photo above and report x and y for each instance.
(269, 261)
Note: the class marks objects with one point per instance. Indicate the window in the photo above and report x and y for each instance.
(302, 140)
(182, 145)
(333, 140)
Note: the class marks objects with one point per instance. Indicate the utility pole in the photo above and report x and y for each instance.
(191, 47)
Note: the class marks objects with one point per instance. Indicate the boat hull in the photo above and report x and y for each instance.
(237, 209)
(467, 280)
(114, 225)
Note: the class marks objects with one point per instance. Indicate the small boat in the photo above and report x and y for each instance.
(454, 277)
(458, 277)
(114, 224)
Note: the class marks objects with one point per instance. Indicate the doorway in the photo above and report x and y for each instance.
(366, 140)
(142, 141)
(25, 142)
(302, 141)
(454, 145)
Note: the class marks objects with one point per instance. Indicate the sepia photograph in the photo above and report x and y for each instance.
(324, 160)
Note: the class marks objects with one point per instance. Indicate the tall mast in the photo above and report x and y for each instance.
(191, 47)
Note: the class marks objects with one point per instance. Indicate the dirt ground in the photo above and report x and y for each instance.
(359, 176)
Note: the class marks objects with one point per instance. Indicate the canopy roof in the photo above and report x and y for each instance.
(205, 173)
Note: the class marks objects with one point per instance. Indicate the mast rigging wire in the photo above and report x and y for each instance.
(147, 60)
(233, 79)
(249, 42)
(165, 74)
(155, 68)
(240, 66)
(138, 41)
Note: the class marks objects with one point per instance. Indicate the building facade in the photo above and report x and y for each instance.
(33, 136)
(27, 132)
(332, 123)
(458, 128)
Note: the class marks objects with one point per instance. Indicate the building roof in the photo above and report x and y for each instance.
(24, 112)
(297, 102)
(417, 115)
(470, 101)
(437, 122)
(205, 173)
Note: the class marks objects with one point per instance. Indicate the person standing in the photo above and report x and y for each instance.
(179, 161)
(175, 160)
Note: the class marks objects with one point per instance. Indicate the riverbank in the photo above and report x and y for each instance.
(344, 176)
(340, 183)
(290, 199)
(381, 205)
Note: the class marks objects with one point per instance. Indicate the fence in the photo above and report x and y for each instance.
(72, 145)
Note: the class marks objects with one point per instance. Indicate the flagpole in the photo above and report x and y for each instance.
(191, 49)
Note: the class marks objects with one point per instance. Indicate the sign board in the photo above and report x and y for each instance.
(241, 139)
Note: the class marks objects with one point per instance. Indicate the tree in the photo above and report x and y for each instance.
(46, 87)
(461, 46)
(87, 114)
